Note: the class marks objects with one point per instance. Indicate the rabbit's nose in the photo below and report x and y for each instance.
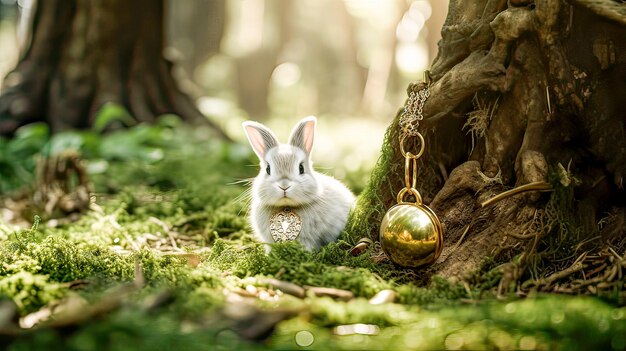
(284, 188)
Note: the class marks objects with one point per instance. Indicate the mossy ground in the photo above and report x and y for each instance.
(168, 189)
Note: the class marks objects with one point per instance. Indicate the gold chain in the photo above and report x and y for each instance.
(409, 124)
(412, 114)
(413, 111)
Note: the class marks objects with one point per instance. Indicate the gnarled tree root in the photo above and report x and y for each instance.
(548, 72)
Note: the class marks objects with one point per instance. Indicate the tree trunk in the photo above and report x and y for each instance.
(523, 93)
(83, 54)
(190, 32)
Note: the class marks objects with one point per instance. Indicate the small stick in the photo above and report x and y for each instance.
(534, 186)
(548, 100)
(523, 236)
(467, 228)
(140, 279)
(383, 296)
(564, 273)
(286, 287)
(166, 229)
(612, 274)
(444, 172)
(581, 257)
(615, 253)
(340, 294)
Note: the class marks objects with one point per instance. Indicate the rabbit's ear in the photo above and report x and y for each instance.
(260, 137)
(303, 134)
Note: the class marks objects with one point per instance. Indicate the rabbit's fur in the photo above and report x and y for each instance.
(322, 202)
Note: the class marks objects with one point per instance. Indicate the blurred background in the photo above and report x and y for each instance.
(346, 61)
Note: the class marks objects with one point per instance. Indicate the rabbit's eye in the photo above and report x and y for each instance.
(267, 169)
(301, 169)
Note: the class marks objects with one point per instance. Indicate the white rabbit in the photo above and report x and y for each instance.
(287, 181)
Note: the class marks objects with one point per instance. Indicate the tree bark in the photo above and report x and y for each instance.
(523, 92)
(84, 54)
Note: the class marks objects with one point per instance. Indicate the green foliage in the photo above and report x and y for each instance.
(18, 156)
(111, 113)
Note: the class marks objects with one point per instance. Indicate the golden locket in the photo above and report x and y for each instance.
(410, 233)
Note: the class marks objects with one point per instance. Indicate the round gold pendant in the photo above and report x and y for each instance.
(411, 235)
(285, 225)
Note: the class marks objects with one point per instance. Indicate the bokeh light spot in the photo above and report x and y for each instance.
(286, 74)
(453, 342)
(304, 338)
(527, 343)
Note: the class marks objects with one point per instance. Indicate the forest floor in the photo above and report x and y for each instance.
(160, 257)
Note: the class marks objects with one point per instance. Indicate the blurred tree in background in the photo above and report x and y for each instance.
(195, 28)
(79, 55)
(347, 61)
(259, 59)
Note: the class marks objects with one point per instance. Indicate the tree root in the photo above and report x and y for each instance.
(536, 186)
(612, 10)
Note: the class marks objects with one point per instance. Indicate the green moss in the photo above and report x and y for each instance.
(237, 259)
(542, 323)
(291, 262)
(30, 291)
(365, 218)
(132, 330)
(440, 291)
(180, 193)
(227, 220)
